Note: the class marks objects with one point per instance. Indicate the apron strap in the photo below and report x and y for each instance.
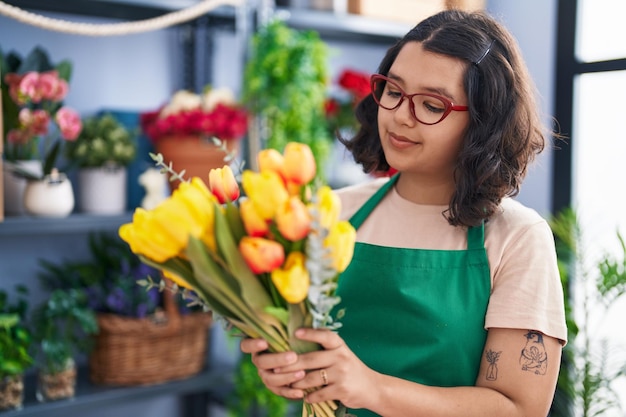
(359, 217)
(476, 237)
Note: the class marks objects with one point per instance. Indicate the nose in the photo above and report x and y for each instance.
(403, 114)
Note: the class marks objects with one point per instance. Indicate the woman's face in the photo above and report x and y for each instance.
(411, 146)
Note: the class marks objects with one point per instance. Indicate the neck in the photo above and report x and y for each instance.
(427, 191)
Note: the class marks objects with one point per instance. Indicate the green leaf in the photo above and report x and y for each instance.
(298, 319)
(280, 313)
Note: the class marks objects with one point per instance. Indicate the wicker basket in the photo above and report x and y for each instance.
(130, 351)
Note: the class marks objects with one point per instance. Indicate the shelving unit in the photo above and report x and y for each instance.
(45, 236)
(89, 396)
(76, 223)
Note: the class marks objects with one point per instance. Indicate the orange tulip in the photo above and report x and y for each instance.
(254, 224)
(299, 163)
(223, 184)
(271, 160)
(292, 280)
(261, 255)
(293, 219)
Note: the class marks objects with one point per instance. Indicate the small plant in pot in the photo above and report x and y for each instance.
(15, 340)
(62, 325)
(103, 150)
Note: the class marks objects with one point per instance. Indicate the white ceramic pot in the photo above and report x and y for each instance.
(102, 190)
(51, 197)
(14, 186)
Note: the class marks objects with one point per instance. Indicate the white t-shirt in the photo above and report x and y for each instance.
(526, 290)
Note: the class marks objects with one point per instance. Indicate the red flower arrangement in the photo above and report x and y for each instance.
(340, 111)
(213, 114)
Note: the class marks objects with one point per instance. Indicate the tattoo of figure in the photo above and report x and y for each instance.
(492, 370)
(534, 357)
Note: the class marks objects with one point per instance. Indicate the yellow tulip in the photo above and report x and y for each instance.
(340, 240)
(292, 280)
(266, 190)
(293, 219)
(299, 163)
(177, 280)
(163, 233)
(254, 224)
(261, 255)
(271, 160)
(223, 184)
(329, 206)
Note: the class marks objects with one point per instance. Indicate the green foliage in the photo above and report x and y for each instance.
(61, 325)
(589, 365)
(15, 338)
(251, 397)
(285, 85)
(102, 141)
(109, 278)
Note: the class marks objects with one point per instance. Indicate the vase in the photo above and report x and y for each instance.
(14, 186)
(50, 197)
(11, 392)
(57, 386)
(194, 154)
(102, 190)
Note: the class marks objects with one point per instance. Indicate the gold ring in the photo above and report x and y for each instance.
(324, 376)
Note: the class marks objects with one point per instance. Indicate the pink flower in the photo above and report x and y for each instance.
(52, 87)
(69, 123)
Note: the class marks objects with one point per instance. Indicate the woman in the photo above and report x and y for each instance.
(453, 303)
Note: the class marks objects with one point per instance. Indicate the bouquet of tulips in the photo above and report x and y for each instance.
(267, 263)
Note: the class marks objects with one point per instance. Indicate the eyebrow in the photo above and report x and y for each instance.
(440, 91)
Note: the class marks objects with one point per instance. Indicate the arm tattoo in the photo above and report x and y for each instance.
(492, 370)
(534, 357)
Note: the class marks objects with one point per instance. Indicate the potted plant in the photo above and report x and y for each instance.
(15, 340)
(590, 365)
(103, 150)
(285, 82)
(36, 122)
(62, 325)
(185, 130)
(144, 336)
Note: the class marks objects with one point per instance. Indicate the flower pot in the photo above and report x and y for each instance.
(51, 197)
(15, 186)
(11, 392)
(102, 190)
(57, 386)
(194, 154)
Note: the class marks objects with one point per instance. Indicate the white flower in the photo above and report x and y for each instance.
(182, 100)
(215, 96)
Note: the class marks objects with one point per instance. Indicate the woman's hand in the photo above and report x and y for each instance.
(269, 365)
(333, 373)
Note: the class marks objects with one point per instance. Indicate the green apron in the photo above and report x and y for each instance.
(416, 314)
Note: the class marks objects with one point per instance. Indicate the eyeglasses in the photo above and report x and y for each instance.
(426, 108)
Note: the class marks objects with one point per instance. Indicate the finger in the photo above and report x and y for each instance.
(253, 345)
(275, 361)
(282, 383)
(317, 378)
(328, 339)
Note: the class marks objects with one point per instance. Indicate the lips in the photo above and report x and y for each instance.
(401, 142)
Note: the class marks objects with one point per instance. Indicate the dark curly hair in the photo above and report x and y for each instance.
(505, 132)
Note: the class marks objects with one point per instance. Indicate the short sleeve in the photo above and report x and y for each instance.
(527, 292)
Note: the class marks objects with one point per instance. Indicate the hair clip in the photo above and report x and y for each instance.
(485, 53)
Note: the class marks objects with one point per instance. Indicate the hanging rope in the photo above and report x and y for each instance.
(114, 29)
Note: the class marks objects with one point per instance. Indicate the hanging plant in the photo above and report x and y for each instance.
(285, 85)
